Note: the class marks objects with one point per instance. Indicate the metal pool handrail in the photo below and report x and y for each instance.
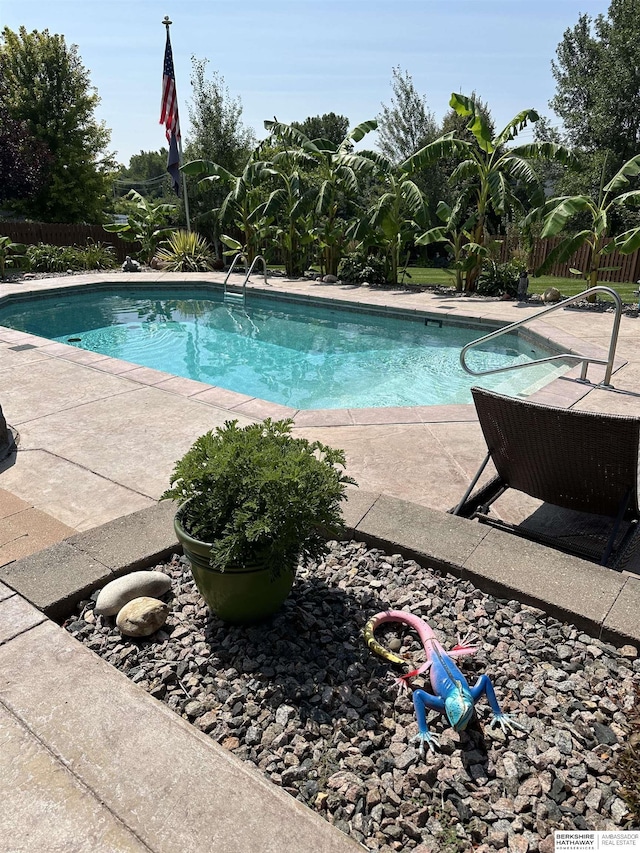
(586, 360)
(264, 269)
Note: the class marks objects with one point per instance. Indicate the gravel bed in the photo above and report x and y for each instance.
(303, 699)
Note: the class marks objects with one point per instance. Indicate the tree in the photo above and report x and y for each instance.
(48, 88)
(147, 173)
(329, 126)
(217, 135)
(404, 127)
(493, 176)
(24, 160)
(597, 75)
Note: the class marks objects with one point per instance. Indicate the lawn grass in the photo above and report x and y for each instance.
(432, 277)
(566, 286)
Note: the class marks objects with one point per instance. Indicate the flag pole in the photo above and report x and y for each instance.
(167, 24)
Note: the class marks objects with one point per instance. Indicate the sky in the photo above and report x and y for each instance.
(296, 58)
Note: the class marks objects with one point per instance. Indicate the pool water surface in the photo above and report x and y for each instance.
(307, 356)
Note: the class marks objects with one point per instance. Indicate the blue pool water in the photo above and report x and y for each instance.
(307, 356)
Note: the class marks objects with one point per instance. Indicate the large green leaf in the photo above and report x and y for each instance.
(478, 124)
(325, 197)
(360, 130)
(413, 197)
(445, 146)
(206, 168)
(443, 211)
(293, 136)
(630, 199)
(564, 250)
(497, 192)
(628, 170)
(519, 168)
(348, 179)
(357, 163)
(231, 242)
(628, 242)
(517, 123)
(600, 223)
(274, 202)
(466, 169)
(545, 151)
(563, 211)
(304, 203)
(434, 235)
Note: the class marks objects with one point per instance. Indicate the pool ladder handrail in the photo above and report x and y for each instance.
(585, 359)
(233, 296)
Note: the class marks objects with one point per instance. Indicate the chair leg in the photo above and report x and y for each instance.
(616, 527)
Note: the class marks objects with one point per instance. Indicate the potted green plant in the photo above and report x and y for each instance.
(253, 500)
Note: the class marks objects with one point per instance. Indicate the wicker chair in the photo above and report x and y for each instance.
(583, 462)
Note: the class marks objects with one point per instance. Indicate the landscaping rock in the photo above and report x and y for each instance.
(302, 698)
(142, 617)
(134, 585)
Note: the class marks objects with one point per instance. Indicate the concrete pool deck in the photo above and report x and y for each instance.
(97, 442)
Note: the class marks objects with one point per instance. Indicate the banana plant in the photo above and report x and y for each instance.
(557, 212)
(337, 184)
(497, 175)
(240, 205)
(457, 232)
(11, 254)
(396, 217)
(146, 224)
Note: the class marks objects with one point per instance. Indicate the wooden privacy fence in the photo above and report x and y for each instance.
(56, 234)
(69, 235)
(629, 265)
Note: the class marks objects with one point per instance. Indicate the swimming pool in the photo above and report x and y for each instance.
(303, 355)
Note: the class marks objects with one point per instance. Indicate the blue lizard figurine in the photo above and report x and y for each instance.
(452, 695)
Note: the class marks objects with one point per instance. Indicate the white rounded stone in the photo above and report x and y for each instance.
(134, 585)
(142, 617)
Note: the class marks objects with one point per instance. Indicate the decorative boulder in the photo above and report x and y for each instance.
(142, 617)
(134, 585)
(330, 279)
(552, 294)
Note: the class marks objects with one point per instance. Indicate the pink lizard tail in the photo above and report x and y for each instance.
(424, 631)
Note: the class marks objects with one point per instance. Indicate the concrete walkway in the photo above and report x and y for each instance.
(103, 762)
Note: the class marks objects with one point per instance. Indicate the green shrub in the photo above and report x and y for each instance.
(260, 495)
(47, 258)
(358, 267)
(93, 256)
(185, 251)
(97, 256)
(497, 279)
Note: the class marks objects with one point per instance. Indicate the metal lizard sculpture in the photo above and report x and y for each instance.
(451, 692)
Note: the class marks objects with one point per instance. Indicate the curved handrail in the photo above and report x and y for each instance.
(264, 269)
(239, 256)
(586, 360)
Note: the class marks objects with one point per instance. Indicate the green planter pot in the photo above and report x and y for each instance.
(239, 594)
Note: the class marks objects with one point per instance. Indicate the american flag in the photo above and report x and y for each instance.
(169, 114)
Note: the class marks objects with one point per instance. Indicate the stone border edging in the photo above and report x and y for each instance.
(603, 602)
